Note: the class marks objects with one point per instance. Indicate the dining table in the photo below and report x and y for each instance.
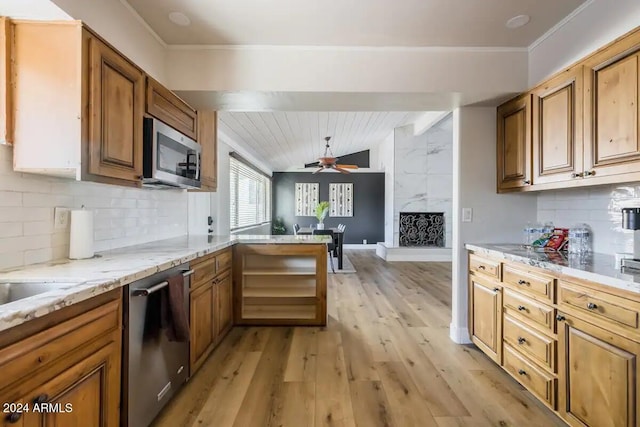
(339, 235)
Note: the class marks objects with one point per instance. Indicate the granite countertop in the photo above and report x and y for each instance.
(78, 280)
(599, 268)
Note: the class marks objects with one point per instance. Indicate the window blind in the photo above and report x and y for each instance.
(250, 195)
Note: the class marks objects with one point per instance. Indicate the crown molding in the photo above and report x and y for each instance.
(146, 26)
(560, 24)
(417, 49)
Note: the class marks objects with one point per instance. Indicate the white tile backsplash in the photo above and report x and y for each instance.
(600, 207)
(122, 216)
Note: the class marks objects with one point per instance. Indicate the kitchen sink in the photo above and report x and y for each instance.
(14, 291)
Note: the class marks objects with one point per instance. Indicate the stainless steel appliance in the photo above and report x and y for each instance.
(170, 159)
(157, 368)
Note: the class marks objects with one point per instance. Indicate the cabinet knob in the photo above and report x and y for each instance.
(481, 267)
(521, 308)
(13, 417)
(521, 340)
(592, 306)
(41, 399)
(522, 282)
(560, 318)
(522, 372)
(589, 173)
(496, 289)
(577, 175)
(526, 181)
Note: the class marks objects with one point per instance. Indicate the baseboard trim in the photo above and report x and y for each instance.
(459, 335)
(359, 246)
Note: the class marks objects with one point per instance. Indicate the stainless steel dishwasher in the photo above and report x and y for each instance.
(157, 367)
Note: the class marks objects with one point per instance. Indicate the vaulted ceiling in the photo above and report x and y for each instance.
(353, 22)
(287, 140)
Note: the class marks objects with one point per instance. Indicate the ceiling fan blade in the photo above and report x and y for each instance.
(339, 169)
(348, 166)
(317, 170)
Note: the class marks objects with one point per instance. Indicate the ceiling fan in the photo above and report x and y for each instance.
(328, 161)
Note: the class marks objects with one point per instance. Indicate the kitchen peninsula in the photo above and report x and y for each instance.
(62, 323)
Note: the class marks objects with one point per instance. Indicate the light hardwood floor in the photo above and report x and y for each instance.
(384, 359)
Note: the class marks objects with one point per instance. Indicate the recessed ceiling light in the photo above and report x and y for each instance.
(518, 21)
(179, 18)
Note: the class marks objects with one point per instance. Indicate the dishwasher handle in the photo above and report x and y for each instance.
(145, 292)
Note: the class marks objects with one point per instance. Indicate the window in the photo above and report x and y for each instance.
(250, 196)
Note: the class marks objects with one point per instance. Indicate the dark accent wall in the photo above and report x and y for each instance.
(367, 221)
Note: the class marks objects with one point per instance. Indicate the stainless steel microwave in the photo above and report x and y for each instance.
(170, 159)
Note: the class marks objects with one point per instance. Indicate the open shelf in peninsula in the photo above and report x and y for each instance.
(280, 284)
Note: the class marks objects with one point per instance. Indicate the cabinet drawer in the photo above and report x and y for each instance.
(537, 286)
(538, 347)
(540, 314)
(484, 266)
(45, 348)
(223, 261)
(204, 270)
(600, 307)
(536, 380)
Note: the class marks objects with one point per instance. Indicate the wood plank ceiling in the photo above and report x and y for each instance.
(287, 140)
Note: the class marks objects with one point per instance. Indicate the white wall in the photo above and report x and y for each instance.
(596, 24)
(347, 70)
(599, 207)
(123, 216)
(385, 162)
(496, 217)
(115, 22)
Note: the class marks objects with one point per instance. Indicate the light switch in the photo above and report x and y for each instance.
(467, 214)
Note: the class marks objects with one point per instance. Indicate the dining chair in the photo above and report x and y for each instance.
(341, 227)
(331, 246)
(296, 228)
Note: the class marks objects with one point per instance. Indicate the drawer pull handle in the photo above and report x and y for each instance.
(526, 181)
(522, 372)
(522, 308)
(522, 282)
(576, 175)
(560, 318)
(592, 306)
(13, 417)
(496, 289)
(521, 340)
(41, 399)
(481, 267)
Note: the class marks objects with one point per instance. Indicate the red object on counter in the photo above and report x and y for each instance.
(558, 239)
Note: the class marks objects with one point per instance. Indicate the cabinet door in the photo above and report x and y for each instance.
(202, 328)
(557, 128)
(514, 143)
(208, 139)
(166, 106)
(598, 375)
(85, 394)
(116, 110)
(485, 319)
(225, 305)
(611, 110)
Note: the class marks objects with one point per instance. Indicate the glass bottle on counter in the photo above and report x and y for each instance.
(580, 240)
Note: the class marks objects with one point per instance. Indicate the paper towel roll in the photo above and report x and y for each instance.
(81, 238)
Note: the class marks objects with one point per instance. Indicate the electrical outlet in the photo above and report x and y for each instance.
(467, 214)
(61, 217)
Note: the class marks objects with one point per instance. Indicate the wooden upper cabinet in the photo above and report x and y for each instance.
(6, 107)
(485, 318)
(115, 114)
(598, 375)
(167, 107)
(611, 110)
(514, 143)
(208, 139)
(557, 128)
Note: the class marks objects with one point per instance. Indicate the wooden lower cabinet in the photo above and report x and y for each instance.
(598, 375)
(211, 305)
(485, 320)
(65, 366)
